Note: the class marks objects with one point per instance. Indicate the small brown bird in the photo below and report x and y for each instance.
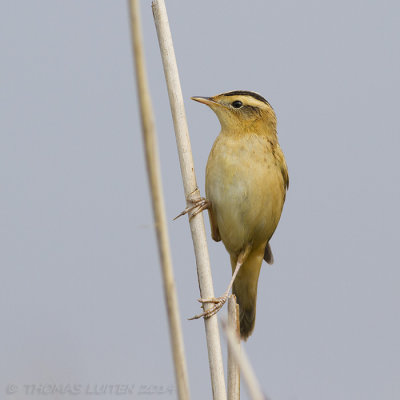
(246, 184)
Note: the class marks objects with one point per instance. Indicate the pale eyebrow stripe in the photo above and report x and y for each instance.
(247, 93)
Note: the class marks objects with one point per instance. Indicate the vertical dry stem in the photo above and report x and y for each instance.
(246, 369)
(233, 366)
(190, 188)
(153, 170)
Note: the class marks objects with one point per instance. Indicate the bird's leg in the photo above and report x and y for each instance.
(220, 301)
(197, 205)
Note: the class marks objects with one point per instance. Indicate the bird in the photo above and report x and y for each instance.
(246, 184)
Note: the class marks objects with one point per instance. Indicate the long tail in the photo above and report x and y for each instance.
(245, 290)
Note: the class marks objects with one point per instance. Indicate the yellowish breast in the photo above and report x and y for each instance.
(246, 188)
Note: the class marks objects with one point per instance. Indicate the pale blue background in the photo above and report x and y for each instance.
(81, 295)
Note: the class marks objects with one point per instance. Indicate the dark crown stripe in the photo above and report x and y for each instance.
(247, 93)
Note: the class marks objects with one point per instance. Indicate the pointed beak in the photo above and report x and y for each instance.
(209, 101)
(205, 100)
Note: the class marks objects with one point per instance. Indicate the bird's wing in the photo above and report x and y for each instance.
(285, 175)
(268, 256)
(283, 167)
(214, 226)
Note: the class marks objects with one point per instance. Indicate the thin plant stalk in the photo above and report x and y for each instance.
(153, 170)
(233, 366)
(249, 377)
(191, 191)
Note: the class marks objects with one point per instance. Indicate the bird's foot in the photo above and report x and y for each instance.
(218, 303)
(197, 205)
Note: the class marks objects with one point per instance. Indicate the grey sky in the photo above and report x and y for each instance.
(81, 294)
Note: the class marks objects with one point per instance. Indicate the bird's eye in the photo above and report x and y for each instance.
(237, 104)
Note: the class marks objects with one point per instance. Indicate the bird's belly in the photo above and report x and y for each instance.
(247, 197)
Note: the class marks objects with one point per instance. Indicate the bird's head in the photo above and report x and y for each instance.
(242, 111)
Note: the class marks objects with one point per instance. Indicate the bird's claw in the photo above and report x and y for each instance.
(218, 303)
(199, 204)
(210, 300)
